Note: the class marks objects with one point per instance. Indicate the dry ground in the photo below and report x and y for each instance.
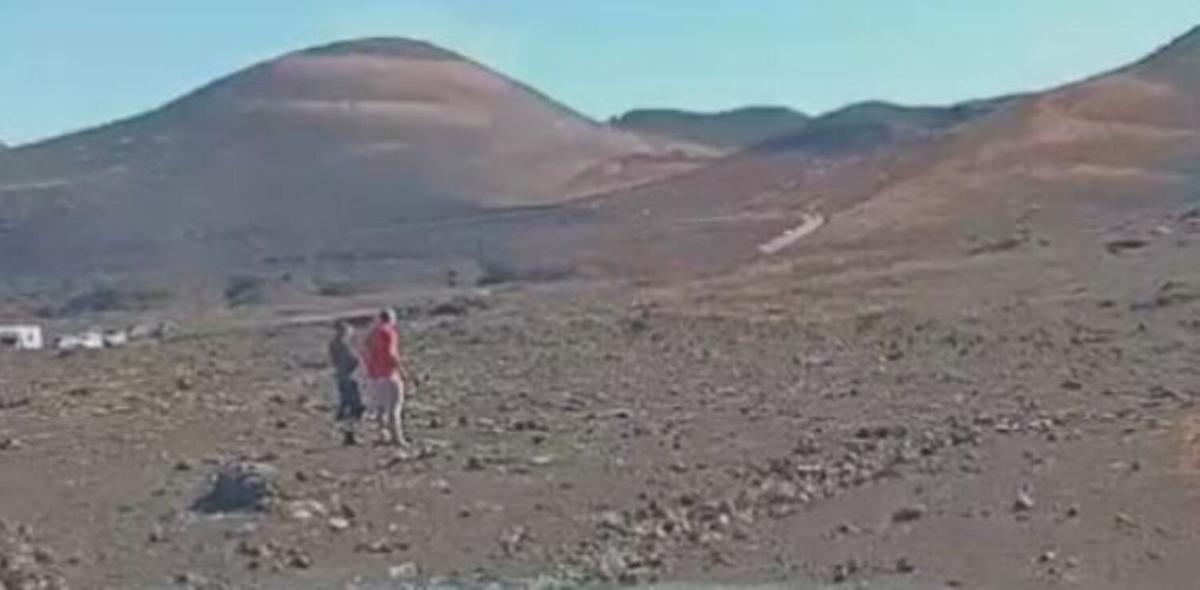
(1002, 420)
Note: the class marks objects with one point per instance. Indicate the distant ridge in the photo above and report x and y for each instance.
(733, 129)
(869, 125)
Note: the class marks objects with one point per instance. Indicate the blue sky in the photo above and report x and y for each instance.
(69, 64)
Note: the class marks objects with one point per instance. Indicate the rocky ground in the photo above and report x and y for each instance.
(885, 428)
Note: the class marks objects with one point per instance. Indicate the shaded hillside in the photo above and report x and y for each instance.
(291, 156)
(734, 129)
(870, 125)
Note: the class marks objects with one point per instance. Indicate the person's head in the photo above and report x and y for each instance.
(387, 316)
(343, 328)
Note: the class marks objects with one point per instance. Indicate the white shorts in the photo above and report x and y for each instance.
(386, 394)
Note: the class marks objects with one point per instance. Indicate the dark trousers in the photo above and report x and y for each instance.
(350, 405)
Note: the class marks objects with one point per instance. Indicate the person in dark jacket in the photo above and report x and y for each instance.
(345, 363)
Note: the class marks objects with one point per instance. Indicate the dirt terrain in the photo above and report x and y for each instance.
(960, 359)
(1011, 417)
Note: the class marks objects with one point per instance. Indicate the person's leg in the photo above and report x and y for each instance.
(350, 410)
(391, 410)
(398, 412)
(358, 406)
(378, 404)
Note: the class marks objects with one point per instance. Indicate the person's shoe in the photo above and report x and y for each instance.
(348, 439)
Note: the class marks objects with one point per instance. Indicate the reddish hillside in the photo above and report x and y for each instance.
(287, 155)
(1045, 168)
(1111, 145)
(1071, 159)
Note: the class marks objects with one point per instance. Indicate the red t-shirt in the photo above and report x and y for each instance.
(383, 352)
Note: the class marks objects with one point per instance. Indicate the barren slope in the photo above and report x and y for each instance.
(1053, 168)
(306, 148)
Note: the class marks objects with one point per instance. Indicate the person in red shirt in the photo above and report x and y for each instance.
(386, 376)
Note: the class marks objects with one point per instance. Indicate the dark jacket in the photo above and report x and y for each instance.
(343, 358)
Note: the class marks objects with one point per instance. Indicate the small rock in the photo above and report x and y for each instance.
(157, 534)
(908, 514)
(1124, 520)
(380, 547)
(1024, 501)
(44, 556)
(299, 560)
(844, 571)
(249, 549)
(190, 580)
(512, 539)
(338, 523)
(404, 571)
(304, 509)
(239, 487)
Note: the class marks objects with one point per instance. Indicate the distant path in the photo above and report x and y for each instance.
(812, 222)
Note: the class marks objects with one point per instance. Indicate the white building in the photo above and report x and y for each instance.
(91, 340)
(21, 337)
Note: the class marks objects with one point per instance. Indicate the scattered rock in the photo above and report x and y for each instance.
(157, 534)
(240, 487)
(512, 539)
(1125, 521)
(908, 514)
(1024, 501)
(381, 547)
(404, 571)
(248, 549)
(298, 559)
(1121, 246)
(842, 572)
(304, 509)
(191, 580)
(25, 564)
